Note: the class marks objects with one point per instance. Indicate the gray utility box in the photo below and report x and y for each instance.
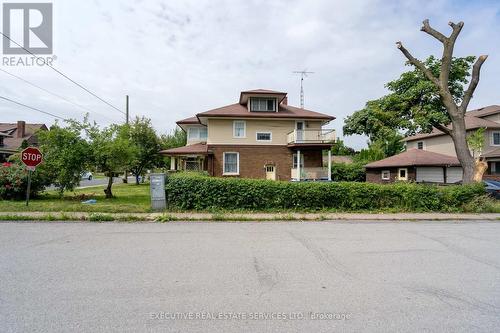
(158, 201)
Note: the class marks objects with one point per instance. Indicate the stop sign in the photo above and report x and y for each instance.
(31, 157)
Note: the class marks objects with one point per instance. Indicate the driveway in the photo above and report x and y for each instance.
(250, 277)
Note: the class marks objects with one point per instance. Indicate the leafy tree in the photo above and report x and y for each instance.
(174, 139)
(111, 150)
(349, 172)
(476, 142)
(66, 154)
(340, 149)
(147, 146)
(453, 100)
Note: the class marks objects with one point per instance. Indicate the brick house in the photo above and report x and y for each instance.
(431, 157)
(260, 136)
(13, 136)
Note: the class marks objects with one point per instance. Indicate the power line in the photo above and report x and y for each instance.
(32, 108)
(64, 75)
(51, 93)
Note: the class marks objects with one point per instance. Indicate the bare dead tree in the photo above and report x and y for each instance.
(456, 111)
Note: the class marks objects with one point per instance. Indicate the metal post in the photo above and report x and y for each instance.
(28, 190)
(329, 165)
(125, 179)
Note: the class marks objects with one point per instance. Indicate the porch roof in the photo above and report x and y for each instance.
(415, 157)
(194, 149)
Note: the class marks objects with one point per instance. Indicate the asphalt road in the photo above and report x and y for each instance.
(250, 277)
(98, 181)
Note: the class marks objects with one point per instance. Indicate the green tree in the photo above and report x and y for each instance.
(340, 149)
(174, 139)
(147, 144)
(112, 151)
(66, 154)
(451, 97)
(476, 142)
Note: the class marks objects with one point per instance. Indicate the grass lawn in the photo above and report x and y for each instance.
(129, 198)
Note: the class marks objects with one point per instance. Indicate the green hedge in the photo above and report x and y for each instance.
(201, 192)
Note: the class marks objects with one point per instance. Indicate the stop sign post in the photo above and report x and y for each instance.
(31, 157)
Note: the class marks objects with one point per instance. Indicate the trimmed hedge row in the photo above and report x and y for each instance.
(201, 192)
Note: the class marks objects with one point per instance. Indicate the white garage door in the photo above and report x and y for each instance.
(453, 174)
(430, 175)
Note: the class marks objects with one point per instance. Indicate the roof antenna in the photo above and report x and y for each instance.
(303, 74)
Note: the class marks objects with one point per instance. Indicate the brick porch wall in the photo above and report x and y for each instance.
(253, 158)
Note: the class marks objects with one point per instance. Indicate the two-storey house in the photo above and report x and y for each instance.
(431, 157)
(260, 136)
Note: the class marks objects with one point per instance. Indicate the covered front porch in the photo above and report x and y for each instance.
(311, 164)
(188, 158)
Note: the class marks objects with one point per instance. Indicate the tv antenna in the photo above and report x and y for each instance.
(303, 74)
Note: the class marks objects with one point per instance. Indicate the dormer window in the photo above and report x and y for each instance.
(262, 104)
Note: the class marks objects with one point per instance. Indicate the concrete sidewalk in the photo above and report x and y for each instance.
(174, 216)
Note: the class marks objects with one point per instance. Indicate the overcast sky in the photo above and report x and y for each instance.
(178, 58)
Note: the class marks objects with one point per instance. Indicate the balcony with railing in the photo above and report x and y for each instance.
(310, 174)
(311, 137)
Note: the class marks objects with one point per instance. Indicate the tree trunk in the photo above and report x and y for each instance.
(459, 137)
(480, 168)
(137, 179)
(107, 190)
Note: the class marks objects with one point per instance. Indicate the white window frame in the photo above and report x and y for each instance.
(206, 131)
(244, 129)
(294, 159)
(423, 145)
(275, 103)
(224, 173)
(492, 140)
(388, 175)
(264, 132)
(399, 174)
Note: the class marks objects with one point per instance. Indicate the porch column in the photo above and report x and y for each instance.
(298, 165)
(329, 165)
(172, 163)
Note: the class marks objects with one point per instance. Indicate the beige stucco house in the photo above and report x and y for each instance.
(433, 163)
(260, 136)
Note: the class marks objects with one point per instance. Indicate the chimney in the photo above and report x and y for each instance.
(21, 128)
(285, 101)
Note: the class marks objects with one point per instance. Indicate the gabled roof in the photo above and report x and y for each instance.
(485, 111)
(284, 111)
(194, 149)
(471, 123)
(415, 157)
(13, 143)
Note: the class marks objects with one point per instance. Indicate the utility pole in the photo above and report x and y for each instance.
(303, 74)
(125, 179)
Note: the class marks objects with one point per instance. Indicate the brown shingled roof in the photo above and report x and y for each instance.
(485, 111)
(190, 120)
(194, 149)
(471, 122)
(415, 157)
(284, 111)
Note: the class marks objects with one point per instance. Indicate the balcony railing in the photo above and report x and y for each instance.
(311, 136)
(318, 173)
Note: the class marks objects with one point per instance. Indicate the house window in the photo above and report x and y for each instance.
(239, 129)
(262, 104)
(386, 175)
(193, 133)
(403, 174)
(231, 163)
(263, 136)
(495, 138)
(197, 133)
(420, 145)
(295, 161)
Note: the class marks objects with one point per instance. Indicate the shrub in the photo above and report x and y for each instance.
(14, 181)
(352, 172)
(199, 193)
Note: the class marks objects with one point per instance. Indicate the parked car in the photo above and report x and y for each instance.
(87, 175)
(493, 188)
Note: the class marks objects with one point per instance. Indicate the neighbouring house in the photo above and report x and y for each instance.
(14, 136)
(431, 157)
(260, 136)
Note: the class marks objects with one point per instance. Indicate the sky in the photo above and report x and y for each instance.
(178, 58)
